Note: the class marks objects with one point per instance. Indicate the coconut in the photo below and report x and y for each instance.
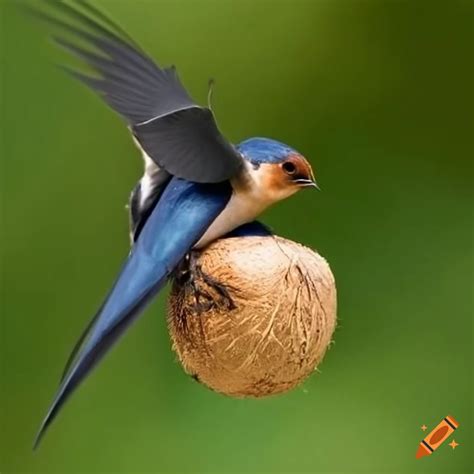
(267, 323)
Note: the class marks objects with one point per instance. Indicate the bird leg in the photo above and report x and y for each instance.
(191, 275)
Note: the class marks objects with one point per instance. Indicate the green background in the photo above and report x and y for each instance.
(378, 95)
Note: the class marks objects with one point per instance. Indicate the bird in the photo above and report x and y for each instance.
(196, 187)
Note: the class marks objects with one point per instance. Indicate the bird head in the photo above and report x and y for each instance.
(276, 169)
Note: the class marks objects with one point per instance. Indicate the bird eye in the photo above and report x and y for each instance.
(289, 167)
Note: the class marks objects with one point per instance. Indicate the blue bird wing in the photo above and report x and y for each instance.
(179, 219)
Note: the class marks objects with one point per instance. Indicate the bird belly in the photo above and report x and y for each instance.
(242, 208)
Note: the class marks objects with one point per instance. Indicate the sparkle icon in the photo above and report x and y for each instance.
(453, 444)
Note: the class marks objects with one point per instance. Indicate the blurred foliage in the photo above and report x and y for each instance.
(379, 96)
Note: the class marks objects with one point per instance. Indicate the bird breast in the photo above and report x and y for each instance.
(244, 206)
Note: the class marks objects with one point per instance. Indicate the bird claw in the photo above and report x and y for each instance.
(194, 278)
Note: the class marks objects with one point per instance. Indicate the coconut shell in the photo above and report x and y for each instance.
(277, 330)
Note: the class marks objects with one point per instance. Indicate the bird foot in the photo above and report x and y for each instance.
(208, 292)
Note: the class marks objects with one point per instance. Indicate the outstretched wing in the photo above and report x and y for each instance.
(175, 225)
(179, 135)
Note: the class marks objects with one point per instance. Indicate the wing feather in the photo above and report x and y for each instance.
(179, 135)
(175, 225)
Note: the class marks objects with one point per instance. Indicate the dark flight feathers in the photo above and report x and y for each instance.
(178, 135)
(203, 149)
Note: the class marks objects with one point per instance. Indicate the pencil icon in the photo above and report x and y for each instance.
(437, 436)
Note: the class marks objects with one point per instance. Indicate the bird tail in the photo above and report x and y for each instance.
(180, 218)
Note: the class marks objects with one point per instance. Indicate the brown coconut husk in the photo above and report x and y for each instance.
(277, 333)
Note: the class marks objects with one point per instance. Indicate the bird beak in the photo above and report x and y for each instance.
(307, 183)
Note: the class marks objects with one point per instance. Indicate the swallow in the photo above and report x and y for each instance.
(196, 186)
